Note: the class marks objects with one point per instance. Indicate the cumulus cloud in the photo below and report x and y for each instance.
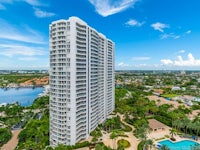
(110, 7)
(122, 64)
(159, 26)
(43, 14)
(166, 61)
(141, 58)
(191, 61)
(133, 22)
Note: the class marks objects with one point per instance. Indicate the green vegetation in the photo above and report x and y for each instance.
(130, 100)
(5, 135)
(67, 147)
(12, 109)
(13, 114)
(123, 143)
(196, 107)
(140, 145)
(169, 95)
(101, 146)
(138, 109)
(36, 133)
(126, 128)
(96, 134)
(112, 124)
(40, 102)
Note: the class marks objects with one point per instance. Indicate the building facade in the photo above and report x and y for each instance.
(81, 80)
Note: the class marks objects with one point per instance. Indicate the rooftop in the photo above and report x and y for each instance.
(154, 124)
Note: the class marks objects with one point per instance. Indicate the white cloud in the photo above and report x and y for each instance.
(110, 7)
(140, 65)
(191, 61)
(33, 2)
(30, 2)
(27, 58)
(19, 33)
(188, 32)
(133, 22)
(170, 35)
(20, 50)
(43, 14)
(181, 51)
(122, 64)
(159, 26)
(166, 61)
(141, 58)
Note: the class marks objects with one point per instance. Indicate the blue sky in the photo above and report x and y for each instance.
(148, 34)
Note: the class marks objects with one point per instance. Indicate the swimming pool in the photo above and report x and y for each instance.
(181, 145)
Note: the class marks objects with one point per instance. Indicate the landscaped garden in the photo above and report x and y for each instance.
(123, 143)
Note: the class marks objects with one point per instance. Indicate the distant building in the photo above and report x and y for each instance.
(176, 88)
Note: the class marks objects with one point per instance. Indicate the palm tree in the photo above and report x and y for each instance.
(197, 127)
(180, 125)
(164, 147)
(172, 132)
(149, 144)
(174, 117)
(176, 123)
(185, 122)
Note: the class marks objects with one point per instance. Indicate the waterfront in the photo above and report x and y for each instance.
(24, 96)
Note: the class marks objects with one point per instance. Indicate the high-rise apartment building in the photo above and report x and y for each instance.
(81, 80)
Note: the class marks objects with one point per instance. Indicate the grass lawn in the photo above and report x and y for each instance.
(123, 143)
(169, 95)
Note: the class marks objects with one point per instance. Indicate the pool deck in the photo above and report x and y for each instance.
(161, 136)
(178, 139)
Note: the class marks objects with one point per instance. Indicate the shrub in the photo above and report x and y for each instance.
(140, 145)
(166, 136)
(80, 145)
(5, 135)
(123, 143)
(126, 128)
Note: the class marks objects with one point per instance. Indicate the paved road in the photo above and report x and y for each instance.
(12, 143)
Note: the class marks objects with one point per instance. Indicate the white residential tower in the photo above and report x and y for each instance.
(81, 80)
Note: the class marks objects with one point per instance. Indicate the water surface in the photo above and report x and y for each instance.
(24, 96)
(181, 145)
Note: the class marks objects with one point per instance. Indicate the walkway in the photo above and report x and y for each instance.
(131, 138)
(12, 143)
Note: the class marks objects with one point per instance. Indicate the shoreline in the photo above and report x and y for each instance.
(26, 86)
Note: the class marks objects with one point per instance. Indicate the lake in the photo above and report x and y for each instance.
(25, 96)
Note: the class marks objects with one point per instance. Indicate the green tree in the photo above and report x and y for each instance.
(172, 132)
(5, 135)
